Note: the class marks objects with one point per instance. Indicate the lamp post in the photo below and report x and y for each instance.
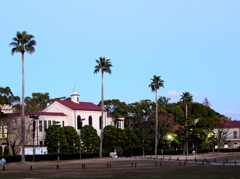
(34, 128)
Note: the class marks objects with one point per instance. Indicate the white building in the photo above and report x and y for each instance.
(65, 113)
(228, 134)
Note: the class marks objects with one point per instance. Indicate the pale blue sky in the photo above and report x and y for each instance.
(193, 45)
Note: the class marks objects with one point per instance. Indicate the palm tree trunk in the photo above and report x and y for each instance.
(156, 129)
(186, 131)
(23, 112)
(101, 137)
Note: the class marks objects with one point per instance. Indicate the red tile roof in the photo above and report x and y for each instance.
(233, 124)
(88, 106)
(39, 113)
(229, 124)
(111, 116)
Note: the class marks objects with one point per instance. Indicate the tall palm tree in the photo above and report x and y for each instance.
(23, 42)
(185, 98)
(155, 84)
(103, 65)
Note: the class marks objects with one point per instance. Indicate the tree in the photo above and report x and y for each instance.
(89, 139)
(186, 97)
(166, 124)
(56, 140)
(156, 83)
(132, 143)
(113, 141)
(6, 101)
(23, 42)
(138, 113)
(103, 65)
(110, 139)
(37, 102)
(72, 138)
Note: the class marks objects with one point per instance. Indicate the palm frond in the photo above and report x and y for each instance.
(156, 83)
(186, 97)
(23, 42)
(103, 65)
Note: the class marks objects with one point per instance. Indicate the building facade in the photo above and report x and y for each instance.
(227, 134)
(62, 112)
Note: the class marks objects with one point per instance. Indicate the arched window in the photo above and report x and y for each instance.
(79, 122)
(100, 122)
(235, 134)
(90, 120)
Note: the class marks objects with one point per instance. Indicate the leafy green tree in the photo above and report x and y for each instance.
(144, 133)
(37, 102)
(155, 84)
(7, 99)
(89, 139)
(103, 65)
(132, 143)
(23, 42)
(56, 140)
(138, 113)
(73, 139)
(186, 97)
(110, 138)
(114, 139)
(163, 102)
(132, 139)
(112, 105)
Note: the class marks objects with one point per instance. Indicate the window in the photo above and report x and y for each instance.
(49, 123)
(235, 134)
(235, 145)
(119, 124)
(79, 122)
(54, 122)
(3, 132)
(225, 146)
(40, 125)
(41, 143)
(62, 123)
(90, 120)
(100, 122)
(45, 125)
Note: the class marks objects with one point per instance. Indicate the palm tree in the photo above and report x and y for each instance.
(103, 65)
(155, 85)
(185, 98)
(23, 42)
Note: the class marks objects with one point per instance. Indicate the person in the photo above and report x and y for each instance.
(3, 162)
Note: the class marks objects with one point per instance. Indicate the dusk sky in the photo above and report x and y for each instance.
(193, 45)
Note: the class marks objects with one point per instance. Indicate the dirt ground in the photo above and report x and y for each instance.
(134, 167)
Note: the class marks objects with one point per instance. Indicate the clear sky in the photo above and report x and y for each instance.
(193, 45)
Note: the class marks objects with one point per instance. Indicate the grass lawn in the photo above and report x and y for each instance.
(128, 168)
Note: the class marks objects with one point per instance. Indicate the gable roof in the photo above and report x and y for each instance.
(88, 106)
